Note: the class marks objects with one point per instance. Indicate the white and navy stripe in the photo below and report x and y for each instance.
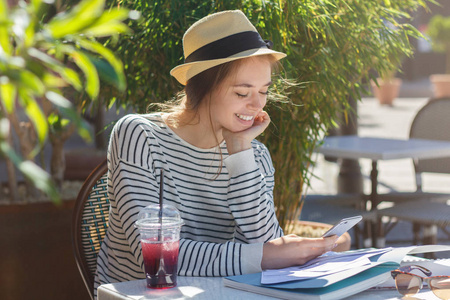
(227, 215)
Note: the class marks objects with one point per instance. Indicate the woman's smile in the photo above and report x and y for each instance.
(245, 117)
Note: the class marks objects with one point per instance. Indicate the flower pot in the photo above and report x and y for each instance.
(441, 85)
(37, 261)
(386, 91)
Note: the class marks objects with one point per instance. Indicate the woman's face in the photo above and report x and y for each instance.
(242, 95)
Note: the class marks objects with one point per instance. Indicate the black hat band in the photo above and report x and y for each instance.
(229, 46)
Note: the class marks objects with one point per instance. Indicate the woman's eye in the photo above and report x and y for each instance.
(264, 93)
(241, 95)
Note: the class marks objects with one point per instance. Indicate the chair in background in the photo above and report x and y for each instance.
(332, 208)
(90, 222)
(427, 210)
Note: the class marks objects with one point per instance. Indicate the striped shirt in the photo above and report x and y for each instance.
(225, 201)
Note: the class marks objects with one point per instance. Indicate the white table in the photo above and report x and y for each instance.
(208, 288)
(375, 149)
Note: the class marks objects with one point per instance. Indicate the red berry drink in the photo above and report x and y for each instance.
(160, 262)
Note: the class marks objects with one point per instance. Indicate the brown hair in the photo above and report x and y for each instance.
(200, 87)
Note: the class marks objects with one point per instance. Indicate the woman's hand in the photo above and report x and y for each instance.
(292, 250)
(241, 140)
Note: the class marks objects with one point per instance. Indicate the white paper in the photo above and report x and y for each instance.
(332, 264)
(327, 264)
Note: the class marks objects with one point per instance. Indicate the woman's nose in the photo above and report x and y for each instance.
(258, 101)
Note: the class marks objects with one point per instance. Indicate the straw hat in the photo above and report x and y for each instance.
(219, 38)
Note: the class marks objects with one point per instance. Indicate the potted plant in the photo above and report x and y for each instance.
(46, 62)
(49, 57)
(329, 52)
(439, 33)
(387, 87)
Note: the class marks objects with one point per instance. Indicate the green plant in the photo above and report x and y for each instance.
(43, 60)
(439, 33)
(332, 46)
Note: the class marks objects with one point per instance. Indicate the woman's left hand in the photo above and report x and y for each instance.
(241, 140)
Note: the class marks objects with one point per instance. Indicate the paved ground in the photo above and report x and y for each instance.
(396, 175)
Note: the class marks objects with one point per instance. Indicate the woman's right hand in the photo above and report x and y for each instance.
(242, 140)
(292, 250)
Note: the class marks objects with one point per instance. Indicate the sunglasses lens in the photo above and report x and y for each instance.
(407, 285)
(441, 287)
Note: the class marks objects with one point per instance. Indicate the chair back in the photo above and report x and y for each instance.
(432, 122)
(90, 222)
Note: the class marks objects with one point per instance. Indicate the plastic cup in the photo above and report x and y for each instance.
(160, 242)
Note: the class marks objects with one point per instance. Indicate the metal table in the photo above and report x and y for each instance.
(375, 149)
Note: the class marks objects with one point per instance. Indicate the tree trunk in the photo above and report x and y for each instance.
(11, 171)
(27, 140)
(58, 163)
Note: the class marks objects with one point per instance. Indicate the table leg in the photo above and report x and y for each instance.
(374, 181)
(378, 239)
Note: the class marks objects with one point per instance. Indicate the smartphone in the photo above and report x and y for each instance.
(343, 226)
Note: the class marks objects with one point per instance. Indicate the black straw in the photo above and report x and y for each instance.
(161, 191)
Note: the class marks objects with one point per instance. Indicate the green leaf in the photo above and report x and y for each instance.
(107, 29)
(90, 72)
(79, 17)
(52, 81)
(8, 94)
(109, 23)
(4, 10)
(36, 4)
(40, 179)
(105, 71)
(31, 82)
(116, 15)
(66, 108)
(69, 75)
(35, 115)
(59, 100)
(110, 57)
(5, 44)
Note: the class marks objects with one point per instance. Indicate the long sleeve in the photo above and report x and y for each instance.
(228, 213)
(250, 195)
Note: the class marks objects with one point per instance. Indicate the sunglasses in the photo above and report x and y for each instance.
(409, 284)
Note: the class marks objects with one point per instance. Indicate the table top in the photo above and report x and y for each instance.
(375, 148)
(187, 288)
(212, 288)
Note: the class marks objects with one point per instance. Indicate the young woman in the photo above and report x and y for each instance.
(218, 176)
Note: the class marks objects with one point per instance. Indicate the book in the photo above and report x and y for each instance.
(335, 285)
(342, 289)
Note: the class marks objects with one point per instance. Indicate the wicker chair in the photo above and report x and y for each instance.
(427, 210)
(90, 222)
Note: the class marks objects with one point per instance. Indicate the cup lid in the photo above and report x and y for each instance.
(149, 217)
